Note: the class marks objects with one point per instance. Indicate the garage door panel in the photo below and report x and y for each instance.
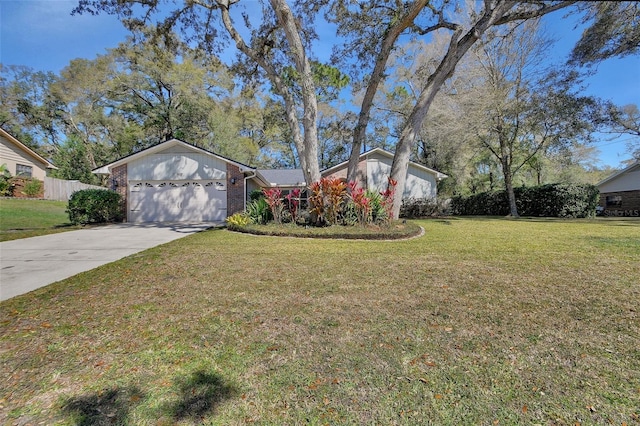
(175, 201)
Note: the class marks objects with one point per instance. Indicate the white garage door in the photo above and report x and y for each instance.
(177, 201)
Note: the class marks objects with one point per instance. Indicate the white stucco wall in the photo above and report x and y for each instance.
(419, 184)
(173, 165)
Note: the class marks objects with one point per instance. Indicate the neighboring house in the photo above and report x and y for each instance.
(374, 169)
(21, 160)
(620, 192)
(178, 182)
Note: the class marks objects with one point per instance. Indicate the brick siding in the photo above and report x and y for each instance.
(235, 191)
(629, 204)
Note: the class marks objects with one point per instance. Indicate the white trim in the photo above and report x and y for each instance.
(106, 169)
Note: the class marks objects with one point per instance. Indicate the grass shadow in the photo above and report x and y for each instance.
(107, 407)
(201, 393)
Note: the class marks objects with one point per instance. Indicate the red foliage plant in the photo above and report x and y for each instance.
(293, 199)
(361, 202)
(273, 198)
(326, 199)
(387, 197)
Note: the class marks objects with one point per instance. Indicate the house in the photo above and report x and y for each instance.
(620, 192)
(178, 182)
(374, 169)
(21, 160)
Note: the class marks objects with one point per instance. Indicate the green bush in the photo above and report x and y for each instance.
(6, 186)
(259, 211)
(32, 187)
(413, 208)
(95, 206)
(255, 195)
(376, 205)
(553, 200)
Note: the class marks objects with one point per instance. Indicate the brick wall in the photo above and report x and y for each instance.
(118, 182)
(235, 191)
(628, 203)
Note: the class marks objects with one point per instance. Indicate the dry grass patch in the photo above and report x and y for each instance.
(479, 321)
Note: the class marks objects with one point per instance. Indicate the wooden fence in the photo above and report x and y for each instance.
(61, 190)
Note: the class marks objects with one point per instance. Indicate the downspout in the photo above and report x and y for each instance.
(255, 173)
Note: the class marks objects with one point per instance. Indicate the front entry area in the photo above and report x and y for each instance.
(177, 201)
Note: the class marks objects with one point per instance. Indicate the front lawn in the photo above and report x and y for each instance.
(480, 321)
(22, 218)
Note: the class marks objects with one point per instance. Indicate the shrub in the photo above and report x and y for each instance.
(413, 208)
(95, 206)
(32, 187)
(259, 212)
(238, 221)
(326, 199)
(553, 200)
(387, 198)
(377, 204)
(361, 203)
(273, 197)
(6, 186)
(293, 202)
(256, 194)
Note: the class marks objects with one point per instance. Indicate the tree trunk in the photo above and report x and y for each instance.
(457, 49)
(360, 131)
(307, 144)
(508, 183)
(309, 153)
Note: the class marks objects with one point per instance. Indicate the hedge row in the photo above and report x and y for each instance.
(553, 200)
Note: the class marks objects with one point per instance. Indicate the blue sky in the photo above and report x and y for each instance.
(43, 35)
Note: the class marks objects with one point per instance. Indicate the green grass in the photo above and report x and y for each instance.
(479, 321)
(20, 218)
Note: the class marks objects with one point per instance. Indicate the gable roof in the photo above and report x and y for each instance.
(387, 154)
(283, 177)
(619, 173)
(31, 153)
(106, 169)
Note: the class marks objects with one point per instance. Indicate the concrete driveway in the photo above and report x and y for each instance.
(31, 263)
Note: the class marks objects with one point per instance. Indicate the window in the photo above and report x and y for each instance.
(24, 171)
(614, 201)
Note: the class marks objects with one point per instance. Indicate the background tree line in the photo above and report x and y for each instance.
(456, 86)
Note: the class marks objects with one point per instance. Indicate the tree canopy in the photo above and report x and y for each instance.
(277, 102)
